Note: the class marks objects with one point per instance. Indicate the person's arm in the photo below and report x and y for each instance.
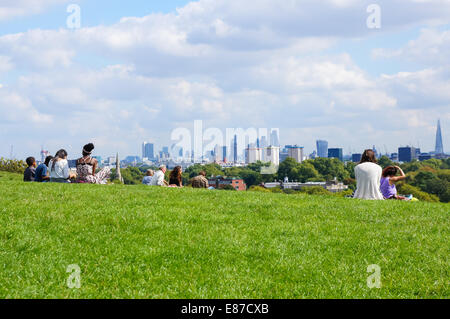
(94, 166)
(45, 174)
(398, 178)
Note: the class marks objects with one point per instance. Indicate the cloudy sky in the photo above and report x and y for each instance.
(136, 70)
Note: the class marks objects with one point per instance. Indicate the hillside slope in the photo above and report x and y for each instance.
(141, 242)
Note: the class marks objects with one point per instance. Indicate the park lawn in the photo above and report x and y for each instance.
(144, 242)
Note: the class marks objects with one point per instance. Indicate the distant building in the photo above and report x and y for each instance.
(295, 152)
(148, 150)
(274, 138)
(271, 154)
(394, 157)
(132, 160)
(406, 154)
(220, 182)
(425, 156)
(253, 155)
(224, 154)
(356, 158)
(283, 155)
(322, 148)
(336, 153)
(439, 149)
(235, 149)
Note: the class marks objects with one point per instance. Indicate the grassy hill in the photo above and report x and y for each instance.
(142, 242)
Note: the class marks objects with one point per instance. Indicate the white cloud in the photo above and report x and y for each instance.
(230, 63)
(432, 47)
(10, 9)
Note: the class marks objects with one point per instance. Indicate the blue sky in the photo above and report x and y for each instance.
(313, 70)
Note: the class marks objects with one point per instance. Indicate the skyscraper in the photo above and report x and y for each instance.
(322, 148)
(295, 152)
(406, 154)
(235, 149)
(274, 138)
(336, 153)
(148, 150)
(439, 145)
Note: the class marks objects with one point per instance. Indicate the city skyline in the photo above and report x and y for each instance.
(124, 74)
(153, 149)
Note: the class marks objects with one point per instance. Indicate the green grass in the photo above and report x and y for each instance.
(143, 242)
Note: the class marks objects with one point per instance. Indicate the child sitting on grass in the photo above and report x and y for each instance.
(388, 180)
(30, 171)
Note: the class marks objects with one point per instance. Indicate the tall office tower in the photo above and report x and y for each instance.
(148, 150)
(336, 153)
(322, 148)
(271, 154)
(406, 154)
(439, 149)
(274, 138)
(263, 142)
(235, 149)
(296, 152)
(224, 154)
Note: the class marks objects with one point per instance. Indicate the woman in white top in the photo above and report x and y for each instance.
(368, 177)
(59, 168)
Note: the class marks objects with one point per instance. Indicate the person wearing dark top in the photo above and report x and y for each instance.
(30, 171)
(41, 175)
(175, 177)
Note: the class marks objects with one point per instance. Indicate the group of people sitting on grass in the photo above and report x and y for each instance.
(55, 169)
(372, 182)
(175, 178)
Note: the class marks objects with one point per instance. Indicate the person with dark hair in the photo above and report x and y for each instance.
(87, 165)
(200, 181)
(41, 171)
(388, 179)
(175, 179)
(368, 177)
(30, 171)
(59, 168)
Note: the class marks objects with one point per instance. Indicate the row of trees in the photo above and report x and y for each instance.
(12, 166)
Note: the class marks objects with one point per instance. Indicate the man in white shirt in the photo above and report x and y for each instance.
(158, 178)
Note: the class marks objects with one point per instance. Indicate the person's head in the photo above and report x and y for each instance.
(176, 173)
(202, 173)
(163, 168)
(60, 155)
(368, 156)
(390, 171)
(87, 149)
(150, 172)
(47, 160)
(31, 161)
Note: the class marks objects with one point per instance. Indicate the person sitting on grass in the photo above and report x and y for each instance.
(42, 170)
(176, 179)
(86, 167)
(59, 168)
(200, 181)
(368, 177)
(30, 171)
(388, 180)
(159, 177)
(148, 177)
